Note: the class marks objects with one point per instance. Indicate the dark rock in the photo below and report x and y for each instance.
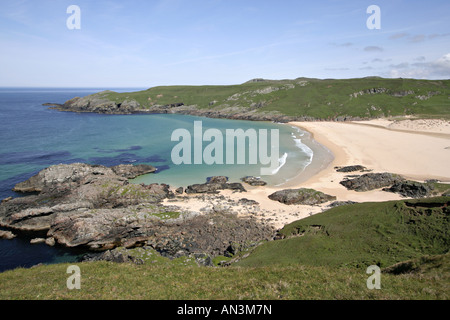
(130, 171)
(350, 168)
(254, 181)
(371, 181)
(179, 190)
(246, 201)
(236, 186)
(301, 196)
(214, 185)
(411, 189)
(219, 179)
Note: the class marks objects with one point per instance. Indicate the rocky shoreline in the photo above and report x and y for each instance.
(95, 207)
(97, 103)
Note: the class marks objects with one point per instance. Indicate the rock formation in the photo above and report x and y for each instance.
(371, 181)
(301, 196)
(214, 185)
(411, 189)
(254, 181)
(95, 207)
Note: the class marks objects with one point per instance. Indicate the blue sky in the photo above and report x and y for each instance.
(193, 42)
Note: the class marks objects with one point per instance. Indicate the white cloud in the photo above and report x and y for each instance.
(373, 49)
(439, 68)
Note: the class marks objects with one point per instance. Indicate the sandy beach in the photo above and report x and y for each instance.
(416, 149)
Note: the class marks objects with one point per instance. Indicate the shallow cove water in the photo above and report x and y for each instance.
(35, 137)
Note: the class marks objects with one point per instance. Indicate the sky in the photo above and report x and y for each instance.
(196, 42)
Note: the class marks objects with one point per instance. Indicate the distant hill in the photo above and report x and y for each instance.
(299, 99)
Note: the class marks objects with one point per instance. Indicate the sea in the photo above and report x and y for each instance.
(34, 137)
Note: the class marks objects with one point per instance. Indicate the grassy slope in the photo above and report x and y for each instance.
(310, 97)
(103, 280)
(313, 266)
(360, 235)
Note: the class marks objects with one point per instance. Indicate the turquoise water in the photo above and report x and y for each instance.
(35, 137)
(292, 157)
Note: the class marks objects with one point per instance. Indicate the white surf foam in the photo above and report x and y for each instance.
(281, 163)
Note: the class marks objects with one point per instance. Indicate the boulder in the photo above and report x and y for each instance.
(350, 168)
(179, 190)
(411, 189)
(213, 185)
(253, 181)
(218, 179)
(301, 196)
(371, 181)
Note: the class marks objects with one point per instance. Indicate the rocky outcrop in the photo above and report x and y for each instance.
(301, 196)
(180, 235)
(214, 185)
(411, 189)
(253, 181)
(95, 207)
(97, 103)
(350, 168)
(72, 189)
(130, 171)
(67, 177)
(371, 181)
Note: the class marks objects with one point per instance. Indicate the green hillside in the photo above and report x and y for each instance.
(303, 97)
(361, 235)
(322, 257)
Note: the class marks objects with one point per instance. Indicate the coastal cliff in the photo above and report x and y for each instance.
(302, 99)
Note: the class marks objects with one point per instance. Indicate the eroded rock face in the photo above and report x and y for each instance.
(211, 234)
(72, 189)
(180, 235)
(95, 207)
(301, 196)
(371, 181)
